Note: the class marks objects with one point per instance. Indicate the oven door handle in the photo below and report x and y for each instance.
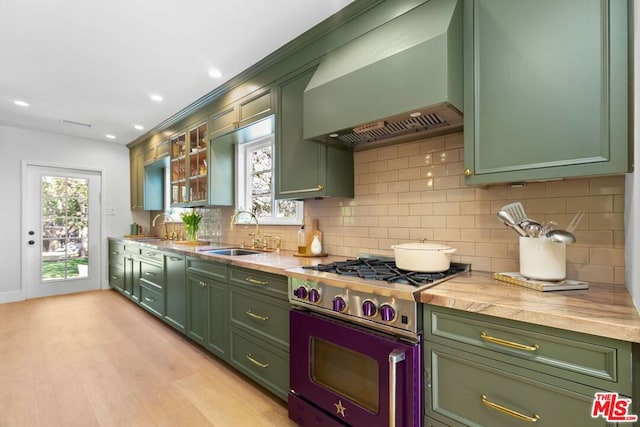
(395, 357)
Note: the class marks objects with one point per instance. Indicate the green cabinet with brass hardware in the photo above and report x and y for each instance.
(259, 327)
(546, 89)
(175, 291)
(249, 109)
(116, 265)
(306, 169)
(136, 176)
(152, 280)
(207, 305)
(483, 370)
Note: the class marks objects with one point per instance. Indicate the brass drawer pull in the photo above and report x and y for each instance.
(506, 343)
(149, 299)
(175, 259)
(203, 284)
(151, 254)
(114, 277)
(256, 316)
(256, 362)
(508, 411)
(148, 273)
(257, 282)
(320, 187)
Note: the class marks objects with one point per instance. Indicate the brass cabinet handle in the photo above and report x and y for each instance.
(508, 411)
(320, 187)
(149, 299)
(203, 284)
(148, 273)
(256, 362)
(175, 258)
(506, 343)
(256, 282)
(256, 316)
(151, 254)
(114, 277)
(467, 172)
(115, 253)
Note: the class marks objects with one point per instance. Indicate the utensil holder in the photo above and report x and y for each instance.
(542, 259)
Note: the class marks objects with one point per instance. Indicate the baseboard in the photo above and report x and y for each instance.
(11, 296)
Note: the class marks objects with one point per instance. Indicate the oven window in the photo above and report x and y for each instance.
(350, 374)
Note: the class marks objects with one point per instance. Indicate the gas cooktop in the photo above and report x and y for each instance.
(386, 270)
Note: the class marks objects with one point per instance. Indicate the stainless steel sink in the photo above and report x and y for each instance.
(233, 252)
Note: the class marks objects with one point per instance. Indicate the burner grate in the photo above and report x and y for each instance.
(385, 270)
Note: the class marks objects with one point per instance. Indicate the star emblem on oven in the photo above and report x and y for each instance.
(339, 408)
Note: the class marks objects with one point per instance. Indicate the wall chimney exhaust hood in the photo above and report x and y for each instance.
(400, 81)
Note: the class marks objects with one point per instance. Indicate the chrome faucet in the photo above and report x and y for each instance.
(166, 230)
(256, 239)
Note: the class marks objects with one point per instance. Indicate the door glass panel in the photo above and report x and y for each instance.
(65, 225)
(348, 373)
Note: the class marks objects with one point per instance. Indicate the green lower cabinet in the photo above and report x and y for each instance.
(470, 390)
(175, 291)
(152, 299)
(268, 365)
(132, 277)
(116, 277)
(207, 314)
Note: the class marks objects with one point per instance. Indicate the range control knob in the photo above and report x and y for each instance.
(314, 295)
(301, 293)
(339, 304)
(369, 308)
(387, 312)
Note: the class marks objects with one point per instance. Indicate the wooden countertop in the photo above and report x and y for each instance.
(603, 310)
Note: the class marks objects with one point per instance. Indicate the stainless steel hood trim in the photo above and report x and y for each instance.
(412, 63)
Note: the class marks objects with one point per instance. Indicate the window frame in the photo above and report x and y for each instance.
(243, 183)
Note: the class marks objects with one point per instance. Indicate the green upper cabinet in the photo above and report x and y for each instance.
(546, 89)
(136, 171)
(306, 169)
(249, 109)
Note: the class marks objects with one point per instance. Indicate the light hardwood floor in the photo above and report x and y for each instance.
(95, 359)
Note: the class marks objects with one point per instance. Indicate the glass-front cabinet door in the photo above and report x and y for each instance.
(198, 145)
(178, 168)
(189, 151)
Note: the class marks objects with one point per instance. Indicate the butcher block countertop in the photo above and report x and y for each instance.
(603, 309)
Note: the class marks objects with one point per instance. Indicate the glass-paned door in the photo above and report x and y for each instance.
(61, 231)
(65, 227)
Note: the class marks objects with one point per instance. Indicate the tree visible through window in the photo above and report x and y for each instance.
(256, 187)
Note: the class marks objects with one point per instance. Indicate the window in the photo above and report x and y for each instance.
(255, 189)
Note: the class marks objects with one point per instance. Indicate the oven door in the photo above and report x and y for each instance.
(358, 377)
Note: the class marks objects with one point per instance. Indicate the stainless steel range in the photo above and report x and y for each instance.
(356, 330)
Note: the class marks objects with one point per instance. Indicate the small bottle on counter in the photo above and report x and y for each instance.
(316, 246)
(302, 241)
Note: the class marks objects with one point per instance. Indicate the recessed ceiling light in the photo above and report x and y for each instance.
(110, 136)
(138, 127)
(155, 97)
(21, 103)
(215, 73)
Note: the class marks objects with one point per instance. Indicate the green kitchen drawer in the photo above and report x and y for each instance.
(132, 249)
(116, 253)
(259, 281)
(266, 364)
(116, 276)
(151, 255)
(210, 269)
(151, 299)
(468, 390)
(152, 273)
(263, 315)
(588, 359)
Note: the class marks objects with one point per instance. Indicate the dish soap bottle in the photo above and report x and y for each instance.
(302, 241)
(316, 246)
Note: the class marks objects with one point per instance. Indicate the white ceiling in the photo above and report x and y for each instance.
(97, 62)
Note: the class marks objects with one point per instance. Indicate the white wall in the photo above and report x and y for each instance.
(18, 145)
(632, 184)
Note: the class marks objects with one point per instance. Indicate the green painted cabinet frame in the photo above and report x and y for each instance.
(546, 89)
(175, 291)
(306, 169)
